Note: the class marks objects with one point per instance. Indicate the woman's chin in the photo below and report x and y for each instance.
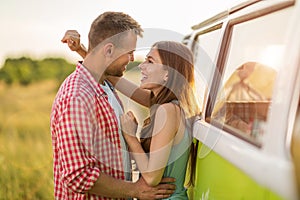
(144, 85)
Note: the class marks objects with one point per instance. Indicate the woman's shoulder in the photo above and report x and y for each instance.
(170, 106)
(169, 109)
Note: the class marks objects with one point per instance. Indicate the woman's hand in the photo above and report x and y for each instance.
(129, 126)
(72, 38)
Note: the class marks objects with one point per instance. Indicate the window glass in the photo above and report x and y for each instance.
(205, 50)
(253, 56)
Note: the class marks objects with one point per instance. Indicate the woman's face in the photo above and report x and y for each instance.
(154, 74)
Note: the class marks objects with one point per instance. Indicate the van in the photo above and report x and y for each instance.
(247, 63)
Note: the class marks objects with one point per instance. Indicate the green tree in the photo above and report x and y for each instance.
(25, 70)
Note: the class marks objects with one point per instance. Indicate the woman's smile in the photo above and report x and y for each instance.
(143, 77)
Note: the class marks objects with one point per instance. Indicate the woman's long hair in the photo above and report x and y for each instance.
(178, 60)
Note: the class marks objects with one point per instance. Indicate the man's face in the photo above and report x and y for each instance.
(123, 54)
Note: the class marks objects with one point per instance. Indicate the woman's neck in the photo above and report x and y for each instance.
(156, 91)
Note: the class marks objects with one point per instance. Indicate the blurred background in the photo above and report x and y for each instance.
(33, 63)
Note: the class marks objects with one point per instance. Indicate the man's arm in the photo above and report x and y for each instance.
(110, 187)
(81, 173)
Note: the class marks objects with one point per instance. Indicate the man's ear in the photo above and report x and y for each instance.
(109, 49)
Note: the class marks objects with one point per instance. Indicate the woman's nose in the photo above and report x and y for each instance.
(141, 65)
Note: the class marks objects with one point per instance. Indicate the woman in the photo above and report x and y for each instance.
(165, 146)
(166, 87)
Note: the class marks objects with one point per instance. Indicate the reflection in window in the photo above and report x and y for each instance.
(245, 98)
(252, 57)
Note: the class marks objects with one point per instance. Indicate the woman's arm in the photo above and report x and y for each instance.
(166, 124)
(131, 90)
(72, 38)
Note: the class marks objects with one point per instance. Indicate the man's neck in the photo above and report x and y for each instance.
(95, 70)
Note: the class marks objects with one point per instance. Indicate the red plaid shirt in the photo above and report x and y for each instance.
(85, 137)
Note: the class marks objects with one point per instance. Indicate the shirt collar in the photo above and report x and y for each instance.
(109, 84)
(90, 79)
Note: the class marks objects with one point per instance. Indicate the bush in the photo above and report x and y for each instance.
(25, 70)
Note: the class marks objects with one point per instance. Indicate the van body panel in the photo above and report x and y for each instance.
(247, 160)
(216, 178)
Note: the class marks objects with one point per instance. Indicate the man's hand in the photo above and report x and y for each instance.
(72, 38)
(164, 190)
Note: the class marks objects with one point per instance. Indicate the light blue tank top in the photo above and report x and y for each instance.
(177, 165)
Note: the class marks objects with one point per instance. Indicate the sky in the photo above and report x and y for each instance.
(34, 28)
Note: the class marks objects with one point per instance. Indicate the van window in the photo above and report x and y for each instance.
(248, 74)
(205, 51)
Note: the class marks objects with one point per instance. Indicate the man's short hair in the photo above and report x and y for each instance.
(111, 24)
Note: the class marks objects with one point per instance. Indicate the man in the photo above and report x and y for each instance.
(89, 161)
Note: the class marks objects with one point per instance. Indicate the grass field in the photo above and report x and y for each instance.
(25, 141)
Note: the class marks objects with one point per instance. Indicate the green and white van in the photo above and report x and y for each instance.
(247, 62)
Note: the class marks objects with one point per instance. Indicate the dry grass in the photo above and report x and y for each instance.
(25, 141)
